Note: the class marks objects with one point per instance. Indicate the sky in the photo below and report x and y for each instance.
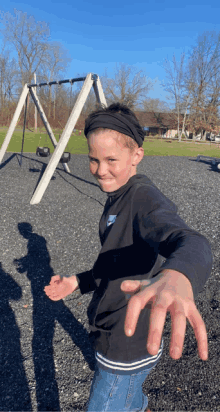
(100, 34)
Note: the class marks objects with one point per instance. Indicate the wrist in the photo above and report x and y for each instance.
(74, 282)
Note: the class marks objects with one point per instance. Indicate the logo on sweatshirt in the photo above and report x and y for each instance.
(111, 220)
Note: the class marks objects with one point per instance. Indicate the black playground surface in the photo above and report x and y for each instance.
(47, 363)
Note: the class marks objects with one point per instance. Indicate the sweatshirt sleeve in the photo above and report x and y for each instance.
(184, 249)
(86, 282)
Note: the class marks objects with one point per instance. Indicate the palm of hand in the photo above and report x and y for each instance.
(59, 288)
(169, 291)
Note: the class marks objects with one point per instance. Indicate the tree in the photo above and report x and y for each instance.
(204, 119)
(53, 68)
(29, 39)
(35, 53)
(204, 75)
(155, 105)
(8, 85)
(128, 86)
(176, 87)
(8, 75)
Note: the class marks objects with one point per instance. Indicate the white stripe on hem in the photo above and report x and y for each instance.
(128, 366)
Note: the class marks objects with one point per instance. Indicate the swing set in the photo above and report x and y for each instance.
(45, 151)
(59, 155)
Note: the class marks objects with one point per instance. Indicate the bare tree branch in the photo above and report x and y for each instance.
(29, 38)
(128, 86)
(204, 74)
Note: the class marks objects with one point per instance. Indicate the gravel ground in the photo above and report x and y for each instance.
(47, 363)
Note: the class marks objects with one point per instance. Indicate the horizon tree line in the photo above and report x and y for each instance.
(191, 83)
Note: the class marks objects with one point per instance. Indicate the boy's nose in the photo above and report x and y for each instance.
(102, 169)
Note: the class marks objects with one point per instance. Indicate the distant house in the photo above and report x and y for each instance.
(163, 124)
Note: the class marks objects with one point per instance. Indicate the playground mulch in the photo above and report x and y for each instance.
(47, 363)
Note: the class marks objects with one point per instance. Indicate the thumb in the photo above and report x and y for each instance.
(55, 279)
(130, 285)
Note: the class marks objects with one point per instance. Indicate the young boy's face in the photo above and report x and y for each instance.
(111, 163)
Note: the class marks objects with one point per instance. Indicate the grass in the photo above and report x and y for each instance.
(78, 145)
(175, 148)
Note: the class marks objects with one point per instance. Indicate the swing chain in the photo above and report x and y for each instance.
(24, 126)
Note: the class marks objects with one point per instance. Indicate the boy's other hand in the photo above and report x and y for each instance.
(59, 288)
(169, 291)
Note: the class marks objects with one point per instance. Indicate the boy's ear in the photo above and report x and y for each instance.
(138, 156)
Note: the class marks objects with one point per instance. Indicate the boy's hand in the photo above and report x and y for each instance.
(169, 291)
(59, 287)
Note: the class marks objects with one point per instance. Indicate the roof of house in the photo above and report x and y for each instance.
(160, 120)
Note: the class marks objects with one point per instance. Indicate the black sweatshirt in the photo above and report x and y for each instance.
(140, 234)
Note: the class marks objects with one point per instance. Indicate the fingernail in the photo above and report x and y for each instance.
(205, 356)
(128, 332)
(176, 352)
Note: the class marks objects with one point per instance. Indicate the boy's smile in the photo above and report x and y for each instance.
(111, 163)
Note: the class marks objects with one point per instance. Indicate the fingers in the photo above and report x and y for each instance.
(178, 329)
(132, 315)
(135, 306)
(199, 328)
(52, 293)
(130, 285)
(177, 300)
(55, 279)
(51, 290)
(157, 321)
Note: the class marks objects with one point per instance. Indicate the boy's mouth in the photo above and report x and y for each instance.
(106, 182)
(108, 179)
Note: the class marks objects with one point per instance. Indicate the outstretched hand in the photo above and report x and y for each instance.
(169, 291)
(59, 288)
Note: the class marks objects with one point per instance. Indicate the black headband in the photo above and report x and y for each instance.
(114, 121)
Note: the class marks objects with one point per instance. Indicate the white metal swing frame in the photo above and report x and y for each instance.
(89, 81)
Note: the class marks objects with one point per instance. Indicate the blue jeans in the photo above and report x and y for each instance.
(111, 392)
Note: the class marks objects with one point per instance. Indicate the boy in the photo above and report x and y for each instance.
(150, 262)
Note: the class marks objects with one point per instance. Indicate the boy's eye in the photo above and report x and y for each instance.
(111, 160)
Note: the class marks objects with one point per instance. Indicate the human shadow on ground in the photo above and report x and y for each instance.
(45, 312)
(14, 392)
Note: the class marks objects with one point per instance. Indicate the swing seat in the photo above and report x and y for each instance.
(65, 158)
(43, 151)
